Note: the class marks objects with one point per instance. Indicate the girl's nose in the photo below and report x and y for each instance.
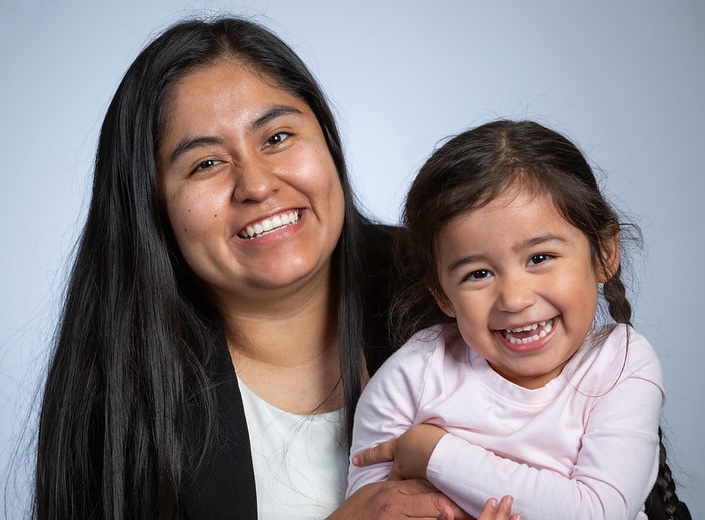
(515, 295)
(255, 181)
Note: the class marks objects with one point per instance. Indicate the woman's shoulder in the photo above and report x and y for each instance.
(377, 287)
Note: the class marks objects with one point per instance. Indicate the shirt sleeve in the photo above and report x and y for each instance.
(615, 469)
(388, 407)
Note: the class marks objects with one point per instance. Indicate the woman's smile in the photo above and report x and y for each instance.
(268, 225)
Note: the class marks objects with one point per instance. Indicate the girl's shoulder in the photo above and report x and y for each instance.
(623, 341)
(614, 354)
(425, 348)
(434, 338)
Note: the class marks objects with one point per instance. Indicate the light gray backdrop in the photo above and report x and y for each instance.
(624, 79)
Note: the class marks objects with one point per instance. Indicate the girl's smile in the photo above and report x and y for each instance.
(528, 338)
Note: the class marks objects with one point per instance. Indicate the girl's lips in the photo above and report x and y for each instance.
(269, 224)
(529, 338)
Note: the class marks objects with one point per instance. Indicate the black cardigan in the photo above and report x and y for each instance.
(223, 486)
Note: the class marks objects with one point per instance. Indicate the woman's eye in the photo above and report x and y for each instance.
(204, 165)
(537, 259)
(277, 138)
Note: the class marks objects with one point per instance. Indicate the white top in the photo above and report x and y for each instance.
(300, 462)
(583, 446)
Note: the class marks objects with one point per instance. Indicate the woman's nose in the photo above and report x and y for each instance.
(255, 181)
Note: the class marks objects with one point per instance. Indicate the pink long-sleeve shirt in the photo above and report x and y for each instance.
(583, 446)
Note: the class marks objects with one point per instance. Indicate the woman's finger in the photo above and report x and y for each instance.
(499, 510)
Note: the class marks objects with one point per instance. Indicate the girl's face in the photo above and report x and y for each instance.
(522, 284)
(250, 187)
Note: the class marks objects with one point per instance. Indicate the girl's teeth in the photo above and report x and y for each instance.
(546, 327)
(269, 224)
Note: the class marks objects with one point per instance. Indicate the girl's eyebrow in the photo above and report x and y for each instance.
(189, 143)
(526, 244)
(539, 240)
(460, 262)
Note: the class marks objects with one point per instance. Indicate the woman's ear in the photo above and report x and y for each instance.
(610, 259)
(443, 302)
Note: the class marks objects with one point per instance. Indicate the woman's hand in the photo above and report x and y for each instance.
(410, 452)
(406, 499)
(413, 499)
(501, 510)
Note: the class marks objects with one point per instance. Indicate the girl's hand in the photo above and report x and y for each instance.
(410, 452)
(398, 500)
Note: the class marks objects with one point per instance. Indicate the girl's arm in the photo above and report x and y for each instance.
(388, 407)
(615, 470)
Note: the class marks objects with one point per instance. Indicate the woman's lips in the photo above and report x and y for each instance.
(269, 224)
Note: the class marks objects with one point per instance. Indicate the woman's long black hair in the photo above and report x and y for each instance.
(128, 383)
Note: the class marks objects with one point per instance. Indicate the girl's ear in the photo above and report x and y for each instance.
(610, 259)
(443, 302)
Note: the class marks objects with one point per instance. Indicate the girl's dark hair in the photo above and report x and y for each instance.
(469, 171)
(128, 386)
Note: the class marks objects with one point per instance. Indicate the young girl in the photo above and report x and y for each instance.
(522, 393)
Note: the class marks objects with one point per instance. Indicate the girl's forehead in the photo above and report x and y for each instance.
(515, 194)
(512, 212)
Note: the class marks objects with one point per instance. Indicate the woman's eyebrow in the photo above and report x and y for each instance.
(271, 114)
(190, 143)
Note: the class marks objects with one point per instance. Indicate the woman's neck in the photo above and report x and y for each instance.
(287, 352)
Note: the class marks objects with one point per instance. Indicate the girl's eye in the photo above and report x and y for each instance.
(276, 139)
(478, 275)
(537, 259)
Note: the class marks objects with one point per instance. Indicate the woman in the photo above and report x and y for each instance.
(222, 233)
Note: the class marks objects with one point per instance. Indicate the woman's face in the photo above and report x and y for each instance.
(250, 187)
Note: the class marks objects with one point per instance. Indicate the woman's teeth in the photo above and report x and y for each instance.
(270, 224)
(519, 335)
